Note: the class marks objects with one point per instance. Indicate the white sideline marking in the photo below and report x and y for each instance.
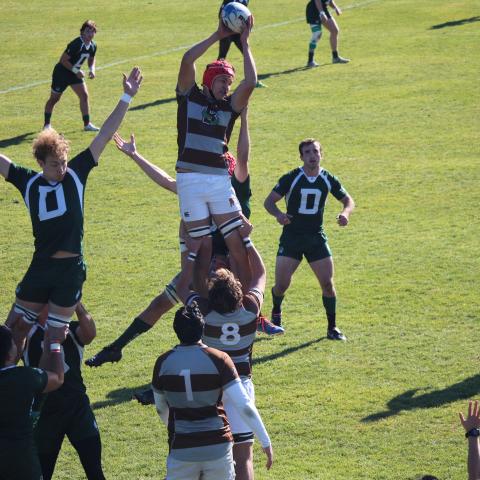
(175, 49)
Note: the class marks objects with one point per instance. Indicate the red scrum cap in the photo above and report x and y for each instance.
(215, 69)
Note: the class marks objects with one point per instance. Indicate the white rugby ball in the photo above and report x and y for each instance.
(235, 16)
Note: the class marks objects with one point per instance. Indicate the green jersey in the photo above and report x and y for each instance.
(18, 387)
(56, 208)
(243, 193)
(73, 355)
(305, 198)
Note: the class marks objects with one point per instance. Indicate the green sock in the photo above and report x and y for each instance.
(277, 303)
(136, 328)
(330, 304)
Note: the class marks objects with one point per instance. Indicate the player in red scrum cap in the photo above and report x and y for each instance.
(205, 120)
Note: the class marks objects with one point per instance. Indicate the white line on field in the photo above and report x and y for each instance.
(175, 49)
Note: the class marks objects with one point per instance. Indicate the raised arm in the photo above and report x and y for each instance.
(243, 148)
(270, 205)
(243, 92)
(5, 163)
(348, 206)
(131, 84)
(257, 267)
(52, 359)
(86, 330)
(186, 75)
(159, 176)
(471, 424)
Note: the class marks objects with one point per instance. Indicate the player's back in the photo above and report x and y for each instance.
(192, 378)
(233, 333)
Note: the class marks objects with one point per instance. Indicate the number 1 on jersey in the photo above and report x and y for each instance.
(188, 383)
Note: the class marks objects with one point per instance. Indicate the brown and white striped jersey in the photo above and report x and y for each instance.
(204, 129)
(192, 379)
(234, 333)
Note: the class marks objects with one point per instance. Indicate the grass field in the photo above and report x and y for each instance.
(400, 127)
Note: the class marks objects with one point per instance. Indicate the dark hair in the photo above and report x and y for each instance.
(188, 324)
(88, 24)
(309, 141)
(224, 292)
(5, 344)
(429, 477)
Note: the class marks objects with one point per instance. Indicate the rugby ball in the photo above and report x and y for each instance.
(235, 16)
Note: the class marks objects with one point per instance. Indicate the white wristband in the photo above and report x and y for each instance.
(75, 70)
(248, 242)
(192, 256)
(55, 348)
(126, 98)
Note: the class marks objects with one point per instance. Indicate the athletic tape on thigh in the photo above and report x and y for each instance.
(199, 231)
(28, 316)
(58, 321)
(230, 225)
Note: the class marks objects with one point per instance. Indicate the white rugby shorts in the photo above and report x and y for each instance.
(219, 469)
(237, 424)
(201, 195)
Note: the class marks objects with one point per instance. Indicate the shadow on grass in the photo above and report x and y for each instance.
(264, 76)
(287, 351)
(161, 101)
(455, 23)
(8, 142)
(408, 401)
(121, 395)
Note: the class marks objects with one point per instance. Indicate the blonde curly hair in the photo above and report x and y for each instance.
(50, 143)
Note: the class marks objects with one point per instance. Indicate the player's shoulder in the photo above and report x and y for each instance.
(292, 174)
(76, 42)
(217, 356)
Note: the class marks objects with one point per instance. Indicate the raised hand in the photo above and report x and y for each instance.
(132, 83)
(473, 417)
(129, 148)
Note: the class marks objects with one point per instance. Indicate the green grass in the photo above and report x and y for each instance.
(400, 127)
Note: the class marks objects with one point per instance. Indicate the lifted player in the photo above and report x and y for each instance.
(205, 118)
(54, 198)
(317, 14)
(68, 72)
(305, 190)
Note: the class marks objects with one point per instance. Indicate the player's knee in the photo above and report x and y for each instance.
(328, 288)
(28, 316)
(228, 227)
(58, 321)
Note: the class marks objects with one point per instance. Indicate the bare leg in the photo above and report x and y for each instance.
(243, 456)
(81, 90)
(51, 102)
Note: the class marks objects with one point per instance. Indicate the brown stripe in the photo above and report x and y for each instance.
(224, 365)
(200, 382)
(201, 439)
(156, 380)
(196, 413)
(244, 369)
(199, 128)
(202, 157)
